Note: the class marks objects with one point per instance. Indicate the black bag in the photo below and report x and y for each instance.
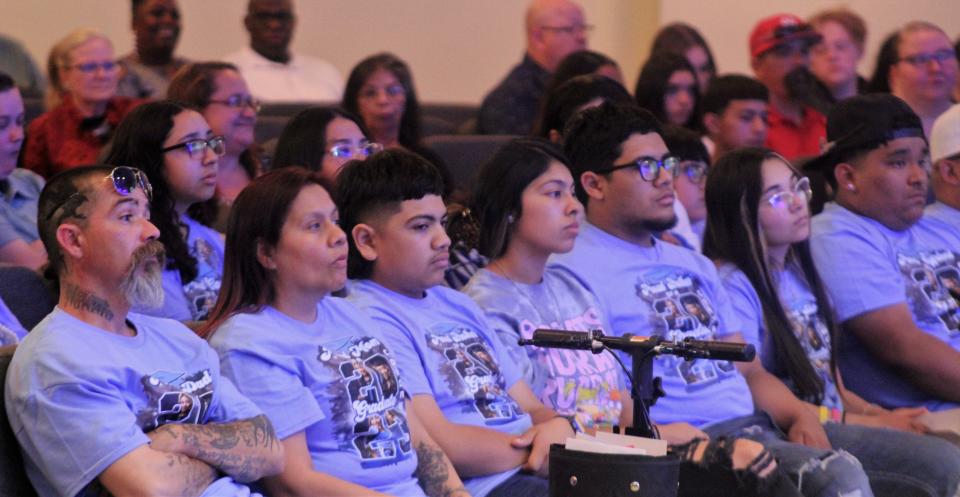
(586, 474)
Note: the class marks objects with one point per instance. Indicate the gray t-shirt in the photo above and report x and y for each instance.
(572, 382)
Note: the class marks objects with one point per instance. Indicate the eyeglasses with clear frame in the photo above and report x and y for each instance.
(573, 29)
(649, 167)
(196, 147)
(239, 102)
(346, 151)
(785, 199)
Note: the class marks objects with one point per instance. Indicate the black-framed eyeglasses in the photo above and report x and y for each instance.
(695, 171)
(279, 16)
(942, 56)
(573, 29)
(91, 67)
(196, 147)
(239, 102)
(649, 167)
(784, 199)
(346, 151)
(124, 180)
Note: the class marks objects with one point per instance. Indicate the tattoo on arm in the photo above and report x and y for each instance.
(246, 450)
(195, 475)
(86, 301)
(433, 471)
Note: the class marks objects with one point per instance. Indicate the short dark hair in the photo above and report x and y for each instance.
(303, 141)
(651, 88)
(498, 192)
(64, 188)
(729, 87)
(564, 100)
(578, 63)
(685, 144)
(6, 82)
(593, 138)
(410, 122)
(377, 184)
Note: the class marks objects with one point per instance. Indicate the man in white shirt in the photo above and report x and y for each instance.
(272, 70)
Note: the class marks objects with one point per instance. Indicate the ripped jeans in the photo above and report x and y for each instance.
(817, 473)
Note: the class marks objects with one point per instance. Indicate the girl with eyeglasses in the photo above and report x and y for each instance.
(180, 155)
(758, 227)
(82, 103)
(323, 140)
(317, 366)
(218, 91)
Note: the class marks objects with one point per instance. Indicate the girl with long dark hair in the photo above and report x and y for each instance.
(667, 86)
(175, 147)
(758, 226)
(319, 369)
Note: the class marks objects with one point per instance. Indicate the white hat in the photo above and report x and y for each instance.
(945, 135)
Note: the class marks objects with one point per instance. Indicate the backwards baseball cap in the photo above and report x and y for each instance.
(780, 29)
(863, 123)
(945, 135)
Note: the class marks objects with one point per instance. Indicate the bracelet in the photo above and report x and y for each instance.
(824, 414)
(574, 424)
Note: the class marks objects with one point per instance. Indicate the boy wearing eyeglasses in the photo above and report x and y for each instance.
(626, 178)
(105, 401)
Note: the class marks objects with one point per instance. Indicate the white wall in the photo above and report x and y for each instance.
(726, 24)
(458, 49)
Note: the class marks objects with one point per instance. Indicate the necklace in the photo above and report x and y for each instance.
(558, 321)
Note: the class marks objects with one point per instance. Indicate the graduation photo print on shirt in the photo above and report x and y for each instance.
(682, 309)
(368, 412)
(929, 276)
(175, 398)
(470, 370)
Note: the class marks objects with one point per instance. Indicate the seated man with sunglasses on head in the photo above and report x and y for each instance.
(102, 400)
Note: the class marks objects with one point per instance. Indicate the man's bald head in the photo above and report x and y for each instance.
(555, 29)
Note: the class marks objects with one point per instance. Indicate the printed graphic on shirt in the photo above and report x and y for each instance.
(682, 309)
(929, 277)
(175, 398)
(202, 291)
(471, 372)
(368, 410)
(579, 382)
(814, 338)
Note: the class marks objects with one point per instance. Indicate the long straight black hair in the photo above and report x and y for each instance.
(733, 191)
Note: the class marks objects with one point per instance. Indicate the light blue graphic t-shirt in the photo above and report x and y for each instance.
(802, 311)
(335, 380)
(943, 222)
(193, 300)
(11, 331)
(446, 349)
(572, 382)
(79, 398)
(672, 292)
(865, 267)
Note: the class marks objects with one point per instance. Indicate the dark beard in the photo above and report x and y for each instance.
(657, 226)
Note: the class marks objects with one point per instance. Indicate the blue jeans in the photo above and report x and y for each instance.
(521, 485)
(901, 464)
(817, 473)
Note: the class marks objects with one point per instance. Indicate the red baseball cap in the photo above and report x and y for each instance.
(780, 29)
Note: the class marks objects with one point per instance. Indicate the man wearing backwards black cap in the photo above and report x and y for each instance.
(901, 326)
(780, 51)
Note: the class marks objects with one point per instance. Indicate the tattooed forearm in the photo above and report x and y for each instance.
(433, 471)
(85, 301)
(247, 450)
(195, 476)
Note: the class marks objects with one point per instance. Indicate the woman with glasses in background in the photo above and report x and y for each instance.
(323, 140)
(82, 102)
(218, 92)
(758, 227)
(175, 147)
(380, 92)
